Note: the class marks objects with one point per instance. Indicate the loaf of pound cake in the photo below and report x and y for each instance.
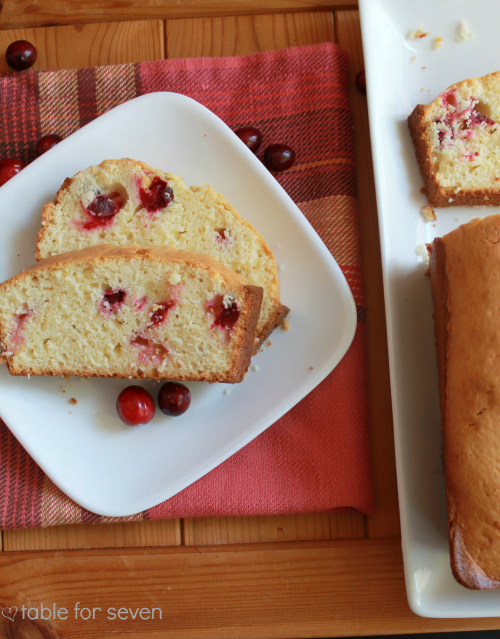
(465, 277)
(457, 142)
(129, 312)
(124, 201)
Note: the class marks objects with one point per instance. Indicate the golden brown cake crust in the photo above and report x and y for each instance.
(465, 278)
(250, 305)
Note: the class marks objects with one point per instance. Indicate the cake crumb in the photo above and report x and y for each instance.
(413, 59)
(227, 391)
(310, 368)
(269, 343)
(29, 375)
(73, 401)
(281, 268)
(255, 368)
(278, 245)
(66, 377)
(463, 32)
(421, 251)
(174, 279)
(428, 213)
(286, 325)
(417, 33)
(438, 42)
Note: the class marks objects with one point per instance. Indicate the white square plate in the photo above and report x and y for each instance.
(115, 470)
(395, 86)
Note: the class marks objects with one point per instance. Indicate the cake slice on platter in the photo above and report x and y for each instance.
(457, 143)
(124, 201)
(129, 312)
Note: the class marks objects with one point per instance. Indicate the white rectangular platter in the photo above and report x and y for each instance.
(116, 470)
(402, 73)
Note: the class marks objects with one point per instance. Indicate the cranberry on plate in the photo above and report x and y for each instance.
(279, 157)
(135, 406)
(174, 399)
(250, 136)
(20, 55)
(9, 168)
(46, 143)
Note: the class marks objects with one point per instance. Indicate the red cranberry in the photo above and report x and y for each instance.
(361, 82)
(158, 196)
(20, 55)
(112, 300)
(279, 157)
(101, 211)
(250, 136)
(46, 143)
(159, 315)
(174, 399)
(225, 316)
(9, 168)
(135, 406)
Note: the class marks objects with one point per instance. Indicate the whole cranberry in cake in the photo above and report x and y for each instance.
(250, 136)
(101, 212)
(46, 143)
(20, 55)
(9, 168)
(361, 82)
(135, 406)
(157, 197)
(279, 157)
(174, 399)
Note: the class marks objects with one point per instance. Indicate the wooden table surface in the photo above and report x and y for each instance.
(286, 576)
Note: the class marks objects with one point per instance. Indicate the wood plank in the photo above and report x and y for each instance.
(385, 521)
(26, 13)
(264, 590)
(132, 534)
(79, 46)
(230, 530)
(243, 35)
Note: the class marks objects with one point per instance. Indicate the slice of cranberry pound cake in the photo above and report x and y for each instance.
(135, 312)
(124, 201)
(457, 142)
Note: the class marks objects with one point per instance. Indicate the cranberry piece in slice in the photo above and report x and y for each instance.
(135, 406)
(113, 300)
(46, 143)
(226, 315)
(174, 399)
(102, 206)
(361, 82)
(279, 157)
(250, 136)
(20, 55)
(157, 197)
(9, 168)
(160, 312)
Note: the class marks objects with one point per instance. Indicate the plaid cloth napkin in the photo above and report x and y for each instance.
(317, 457)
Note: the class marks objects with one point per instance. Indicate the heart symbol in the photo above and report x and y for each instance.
(9, 613)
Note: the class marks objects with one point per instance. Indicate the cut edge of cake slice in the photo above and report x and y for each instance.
(456, 139)
(168, 314)
(114, 202)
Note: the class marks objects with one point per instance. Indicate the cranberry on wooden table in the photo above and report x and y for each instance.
(135, 406)
(361, 82)
(20, 55)
(174, 399)
(9, 168)
(250, 136)
(46, 143)
(279, 157)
